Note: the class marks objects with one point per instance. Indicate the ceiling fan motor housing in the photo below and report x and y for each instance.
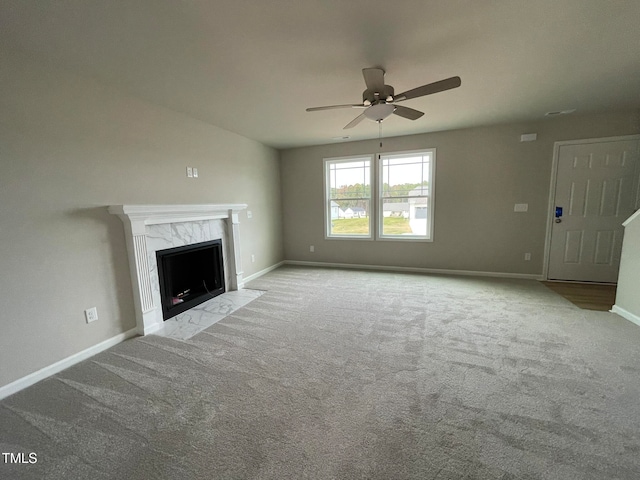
(375, 97)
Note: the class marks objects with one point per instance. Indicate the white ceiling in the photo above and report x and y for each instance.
(253, 66)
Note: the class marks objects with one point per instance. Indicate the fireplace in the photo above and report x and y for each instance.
(152, 228)
(189, 275)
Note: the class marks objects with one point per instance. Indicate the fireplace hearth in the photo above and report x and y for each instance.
(189, 275)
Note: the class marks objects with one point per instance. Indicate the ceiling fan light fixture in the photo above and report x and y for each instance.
(367, 103)
(379, 112)
(389, 98)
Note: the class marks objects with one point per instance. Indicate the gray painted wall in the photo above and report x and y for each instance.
(68, 148)
(480, 174)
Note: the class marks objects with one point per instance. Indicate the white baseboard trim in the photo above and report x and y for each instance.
(633, 318)
(63, 364)
(439, 271)
(260, 273)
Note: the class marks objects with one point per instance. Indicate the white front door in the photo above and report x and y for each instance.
(596, 188)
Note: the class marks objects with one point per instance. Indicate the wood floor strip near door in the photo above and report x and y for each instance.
(586, 295)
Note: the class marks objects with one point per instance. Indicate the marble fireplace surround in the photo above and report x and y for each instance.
(149, 228)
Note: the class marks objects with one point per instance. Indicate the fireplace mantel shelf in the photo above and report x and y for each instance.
(159, 214)
(141, 230)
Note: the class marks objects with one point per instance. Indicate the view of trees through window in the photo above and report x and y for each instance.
(349, 195)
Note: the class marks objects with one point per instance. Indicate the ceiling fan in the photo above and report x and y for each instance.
(379, 100)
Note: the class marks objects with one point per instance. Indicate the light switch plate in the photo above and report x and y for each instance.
(195, 172)
(189, 172)
(249, 214)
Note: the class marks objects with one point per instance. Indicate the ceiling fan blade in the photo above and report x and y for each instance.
(374, 78)
(435, 87)
(333, 107)
(406, 112)
(354, 122)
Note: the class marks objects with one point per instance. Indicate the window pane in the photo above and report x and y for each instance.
(395, 217)
(405, 186)
(405, 176)
(350, 179)
(349, 217)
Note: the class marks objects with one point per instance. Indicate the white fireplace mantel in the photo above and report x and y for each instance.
(149, 228)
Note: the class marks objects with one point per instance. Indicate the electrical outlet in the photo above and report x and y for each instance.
(189, 172)
(195, 172)
(527, 256)
(312, 248)
(253, 258)
(91, 314)
(249, 214)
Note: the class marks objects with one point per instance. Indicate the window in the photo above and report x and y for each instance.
(348, 197)
(406, 195)
(401, 208)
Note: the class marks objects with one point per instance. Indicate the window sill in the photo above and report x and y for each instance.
(404, 238)
(348, 237)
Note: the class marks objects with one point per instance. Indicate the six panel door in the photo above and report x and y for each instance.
(596, 188)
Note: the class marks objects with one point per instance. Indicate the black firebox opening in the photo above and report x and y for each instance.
(189, 275)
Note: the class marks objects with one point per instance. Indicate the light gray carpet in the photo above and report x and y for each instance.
(336, 374)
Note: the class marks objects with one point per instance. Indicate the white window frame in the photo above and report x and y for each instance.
(327, 198)
(430, 197)
(376, 199)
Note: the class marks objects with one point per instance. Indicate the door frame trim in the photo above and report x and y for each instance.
(552, 189)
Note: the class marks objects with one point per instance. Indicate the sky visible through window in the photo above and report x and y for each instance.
(352, 173)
